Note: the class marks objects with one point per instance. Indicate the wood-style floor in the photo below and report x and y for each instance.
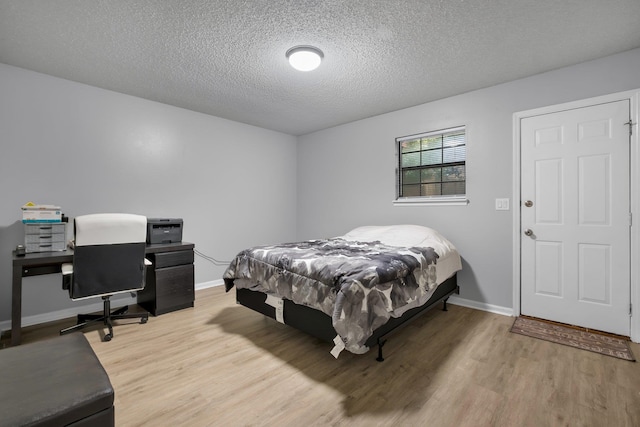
(220, 364)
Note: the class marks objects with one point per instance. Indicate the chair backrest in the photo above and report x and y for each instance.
(108, 255)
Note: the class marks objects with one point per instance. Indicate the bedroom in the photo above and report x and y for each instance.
(64, 140)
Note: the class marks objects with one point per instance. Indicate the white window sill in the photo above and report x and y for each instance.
(431, 201)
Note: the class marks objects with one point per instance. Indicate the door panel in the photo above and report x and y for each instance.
(549, 185)
(575, 265)
(548, 275)
(594, 191)
(594, 273)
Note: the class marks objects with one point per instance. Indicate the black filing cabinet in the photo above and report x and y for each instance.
(170, 280)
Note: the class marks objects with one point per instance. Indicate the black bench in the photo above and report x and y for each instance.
(54, 382)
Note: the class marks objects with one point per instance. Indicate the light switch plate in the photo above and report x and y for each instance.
(502, 204)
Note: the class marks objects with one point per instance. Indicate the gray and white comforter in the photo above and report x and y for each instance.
(359, 284)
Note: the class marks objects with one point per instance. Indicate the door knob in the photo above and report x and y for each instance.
(528, 232)
(528, 203)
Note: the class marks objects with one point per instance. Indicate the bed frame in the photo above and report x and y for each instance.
(318, 324)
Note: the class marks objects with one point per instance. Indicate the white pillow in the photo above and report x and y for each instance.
(396, 235)
(449, 260)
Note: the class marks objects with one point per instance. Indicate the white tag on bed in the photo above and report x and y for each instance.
(272, 300)
(278, 304)
(338, 347)
(280, 311)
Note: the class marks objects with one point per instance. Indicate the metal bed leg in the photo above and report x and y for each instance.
(380, 344)
(444, 304)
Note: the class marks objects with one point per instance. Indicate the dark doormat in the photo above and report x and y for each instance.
(574, 337)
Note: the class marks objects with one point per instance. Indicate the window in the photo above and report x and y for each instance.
(431, 166)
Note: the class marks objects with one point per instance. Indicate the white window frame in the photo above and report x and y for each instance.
(440, 200)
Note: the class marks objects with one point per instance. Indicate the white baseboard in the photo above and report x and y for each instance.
(72, 312)
(90, 308)
(211, 284)
(53, 316)
(505, 311)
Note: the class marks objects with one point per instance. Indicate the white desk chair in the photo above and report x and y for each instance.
(108, 259)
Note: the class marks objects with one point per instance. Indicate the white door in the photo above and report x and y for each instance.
(575, 217)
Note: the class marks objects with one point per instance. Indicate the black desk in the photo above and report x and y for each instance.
(36, 264)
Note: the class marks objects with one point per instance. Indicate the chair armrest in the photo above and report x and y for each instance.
(67, 269)
(67, 274)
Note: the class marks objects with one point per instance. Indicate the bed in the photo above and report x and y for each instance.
(351, 290)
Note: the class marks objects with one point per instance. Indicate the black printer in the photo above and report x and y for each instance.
(164, 230)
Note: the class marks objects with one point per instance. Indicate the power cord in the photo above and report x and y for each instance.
(212, 260)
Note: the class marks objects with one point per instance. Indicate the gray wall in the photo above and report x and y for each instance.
(346, 175)
(91, 150)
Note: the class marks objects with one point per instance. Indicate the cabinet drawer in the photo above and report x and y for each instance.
(45, 247)
(174, 286)
(168, 259)
(44, 238)
(45, 229)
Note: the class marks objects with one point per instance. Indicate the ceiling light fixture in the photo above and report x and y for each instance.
(304, 58)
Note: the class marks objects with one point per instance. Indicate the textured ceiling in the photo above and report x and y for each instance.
(227, 58)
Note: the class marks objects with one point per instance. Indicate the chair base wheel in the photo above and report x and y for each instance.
(105, 319)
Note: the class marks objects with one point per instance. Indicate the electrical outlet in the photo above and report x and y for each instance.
(502, 204)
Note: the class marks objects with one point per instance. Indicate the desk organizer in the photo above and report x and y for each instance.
(45, 237)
